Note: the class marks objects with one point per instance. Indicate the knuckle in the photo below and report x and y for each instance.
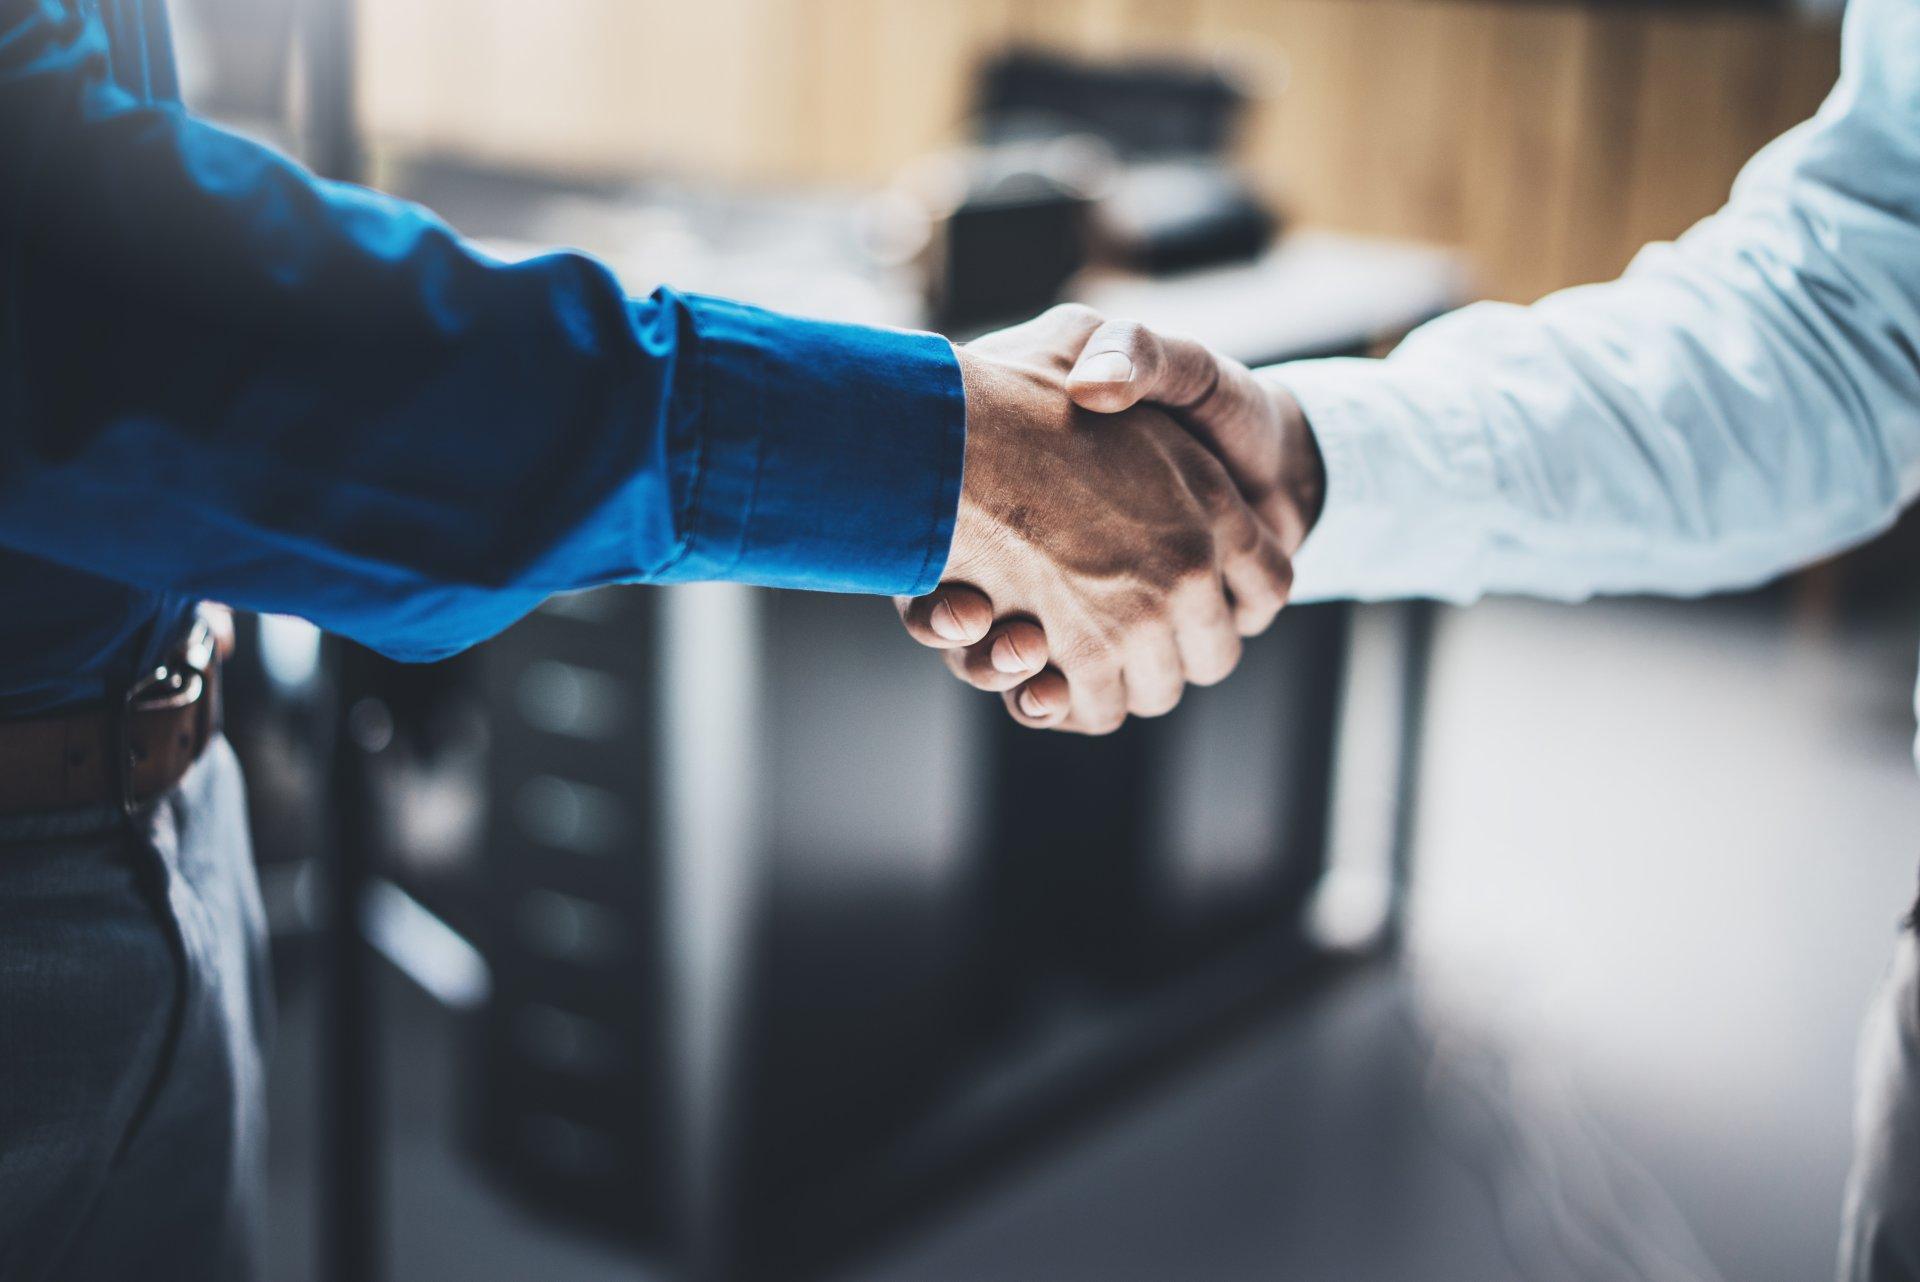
(1282, 578)
(1232, 521)
(1260, 617)
(1218, 663)
(1078, 313)
(1202, 603)
(1230, 514)
(1259, 570)
(1186, 555)
(1034, 648)
(1276, 566)
(1089, 652)
(1242, 531)
(1218, 502)
(1159, 703)
(1141, 610)
(989, 679)
(1253, 596)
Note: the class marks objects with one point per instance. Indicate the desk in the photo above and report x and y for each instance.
(1314, 294)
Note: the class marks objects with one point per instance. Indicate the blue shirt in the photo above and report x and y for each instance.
(222, 377)
(1741, 402)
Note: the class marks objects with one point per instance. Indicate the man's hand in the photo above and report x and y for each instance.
(1253, 425)
(1115, 546)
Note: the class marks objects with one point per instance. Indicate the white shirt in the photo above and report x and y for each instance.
(1740, 402)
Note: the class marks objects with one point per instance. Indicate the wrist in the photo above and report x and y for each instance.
(1301, 475)
(991, 391)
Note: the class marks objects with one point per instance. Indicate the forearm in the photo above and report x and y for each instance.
(1665, 433)
(1738, 403)
(224, 376)
(1724, 413)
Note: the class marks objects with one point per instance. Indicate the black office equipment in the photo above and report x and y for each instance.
(1172, 199)
(1167, 216)
(1143, 109)
(790, 936)
(1013, 235)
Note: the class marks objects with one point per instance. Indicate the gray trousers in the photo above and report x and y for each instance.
(133, 1006)
(1880, 1239)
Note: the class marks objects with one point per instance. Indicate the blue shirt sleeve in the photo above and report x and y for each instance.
(220, 375)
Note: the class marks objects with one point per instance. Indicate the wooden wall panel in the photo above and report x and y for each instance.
(1547, 139)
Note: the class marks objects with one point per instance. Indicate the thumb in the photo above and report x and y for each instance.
(1107, 377)
(1218, 399)
(1124, 363)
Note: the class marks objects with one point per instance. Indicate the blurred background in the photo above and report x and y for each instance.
(714, 933)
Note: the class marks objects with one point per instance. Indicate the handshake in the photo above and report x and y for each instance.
(1129, 512)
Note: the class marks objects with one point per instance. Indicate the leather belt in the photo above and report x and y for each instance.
(123, 754)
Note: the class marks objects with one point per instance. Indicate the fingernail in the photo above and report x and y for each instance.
(1104, 367)
(947, 623)
(1006, 655)
(1031, 705)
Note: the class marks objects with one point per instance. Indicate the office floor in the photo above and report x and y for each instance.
(1663, 850)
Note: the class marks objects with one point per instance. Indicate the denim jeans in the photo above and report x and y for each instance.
(134, 1001)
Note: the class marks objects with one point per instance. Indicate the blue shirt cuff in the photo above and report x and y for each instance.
(826, 456)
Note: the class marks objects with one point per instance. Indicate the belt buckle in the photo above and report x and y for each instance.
(168, 686)
(196, 652)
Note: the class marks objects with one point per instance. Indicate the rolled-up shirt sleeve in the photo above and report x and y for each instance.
(1740, 402)
(223, 376)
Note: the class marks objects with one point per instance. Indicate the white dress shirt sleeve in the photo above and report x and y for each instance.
(1740, 402)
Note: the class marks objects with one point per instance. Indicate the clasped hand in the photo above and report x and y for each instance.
(1128, 513)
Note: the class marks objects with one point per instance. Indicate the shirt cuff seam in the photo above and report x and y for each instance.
(696, 489)
(1347, 479)
(951, 478)
(750, 508)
